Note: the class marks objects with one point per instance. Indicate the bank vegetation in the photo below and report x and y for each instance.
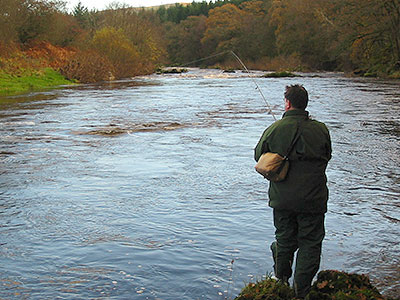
(356, 36)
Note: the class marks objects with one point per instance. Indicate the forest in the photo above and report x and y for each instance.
(360, 37)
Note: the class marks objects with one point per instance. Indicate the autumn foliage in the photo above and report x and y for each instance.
(345, 35)
(342, 35)
(87, 66)
(86, 46)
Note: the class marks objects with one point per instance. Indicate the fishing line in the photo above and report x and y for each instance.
(205, 58)
(244, 67)
(257, 87)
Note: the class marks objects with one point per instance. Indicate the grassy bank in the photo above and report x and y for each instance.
(30, 81)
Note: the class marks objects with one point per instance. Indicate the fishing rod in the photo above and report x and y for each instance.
(257, 87)
(244, 67)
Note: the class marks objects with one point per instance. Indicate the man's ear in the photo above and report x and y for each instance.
(288, 105)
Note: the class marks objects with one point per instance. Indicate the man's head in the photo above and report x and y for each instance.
(296, 97)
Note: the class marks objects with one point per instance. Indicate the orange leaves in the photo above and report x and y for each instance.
(230, 27)
(53, 56)
(87, 67)
(322, 284)
(256, 8)
(222, 24)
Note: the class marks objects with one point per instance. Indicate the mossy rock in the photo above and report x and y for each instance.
(171, 71)
(395, 75)
(280, 74)
(330, 285)
(370, 74)
(267, 289)
(337, 285)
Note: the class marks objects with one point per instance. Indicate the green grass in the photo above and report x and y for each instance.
(39, 80)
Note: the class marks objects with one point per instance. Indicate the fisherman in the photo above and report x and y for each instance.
(299, 202)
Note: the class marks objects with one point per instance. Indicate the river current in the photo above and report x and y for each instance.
(146, 189)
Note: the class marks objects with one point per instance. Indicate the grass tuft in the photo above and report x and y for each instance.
(267, 289)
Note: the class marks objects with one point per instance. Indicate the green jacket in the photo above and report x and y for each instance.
(304, 189)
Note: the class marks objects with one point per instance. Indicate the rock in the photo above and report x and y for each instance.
(280, 74)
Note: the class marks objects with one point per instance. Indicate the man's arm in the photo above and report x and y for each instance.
(262, 146)
(258, 151)
(329, 145)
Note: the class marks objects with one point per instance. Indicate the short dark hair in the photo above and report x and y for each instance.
(297, 95)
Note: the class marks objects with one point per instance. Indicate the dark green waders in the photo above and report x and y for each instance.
(303, 232)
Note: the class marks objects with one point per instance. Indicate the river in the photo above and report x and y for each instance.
(146, 189)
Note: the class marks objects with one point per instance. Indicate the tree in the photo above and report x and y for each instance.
(119, 50)
(302, 27)
(142, 28)
(9, 20)
(85, 18)
(65, 31)
(223, 29)
(370, 31)
(257, 37)
(36, 18)
(185, 39)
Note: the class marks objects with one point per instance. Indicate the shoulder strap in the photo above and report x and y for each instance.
(296, 137)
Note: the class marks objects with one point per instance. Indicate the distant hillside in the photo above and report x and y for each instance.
(165, 5)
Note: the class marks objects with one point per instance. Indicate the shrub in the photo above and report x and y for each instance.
(87, 67)
(50, 55)
(119, 51)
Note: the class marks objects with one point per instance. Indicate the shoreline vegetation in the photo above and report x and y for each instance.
(352, 36)
(47, 78)
(330, 285)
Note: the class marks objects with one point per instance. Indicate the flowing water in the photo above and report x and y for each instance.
(146, 189)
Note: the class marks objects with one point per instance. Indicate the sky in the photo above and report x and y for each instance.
(102, 4)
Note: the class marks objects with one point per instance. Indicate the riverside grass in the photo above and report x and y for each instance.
(30, 81)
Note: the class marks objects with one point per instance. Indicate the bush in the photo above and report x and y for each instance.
(49, 54)
(88, 67)
(119, 51)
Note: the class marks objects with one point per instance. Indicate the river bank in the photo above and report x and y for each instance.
(41, 79)
(42, 65)
(48, 78)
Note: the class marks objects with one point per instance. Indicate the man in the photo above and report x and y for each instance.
(299, 202)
